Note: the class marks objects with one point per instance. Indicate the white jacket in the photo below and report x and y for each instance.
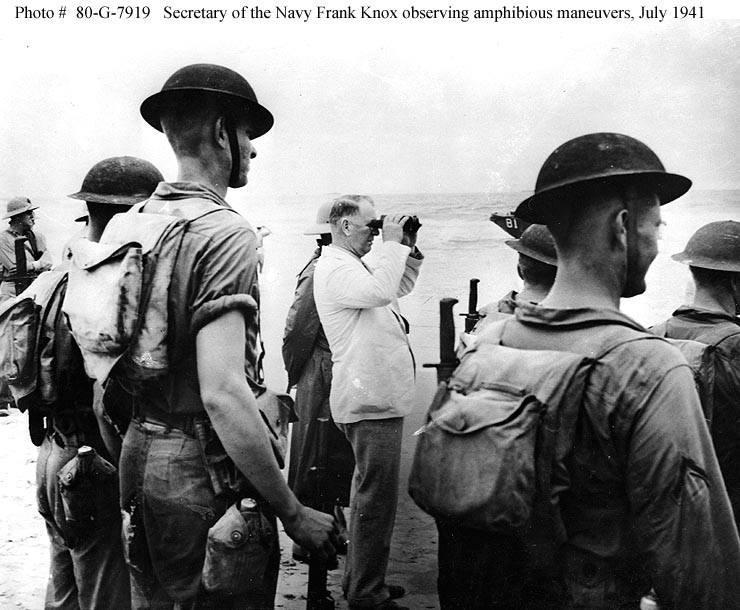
(373, 366)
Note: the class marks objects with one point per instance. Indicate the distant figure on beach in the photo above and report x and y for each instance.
(373, 378)
(19, 212)
(262, 232)
(196, 459)
(644, 505)
(713, 257)
(87, 563)
(308, 362)
(536, 267)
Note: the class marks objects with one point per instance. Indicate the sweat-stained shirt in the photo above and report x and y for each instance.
(215, 272)
(646, 504)
(373, 366)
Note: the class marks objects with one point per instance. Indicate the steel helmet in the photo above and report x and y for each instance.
(536, 242)
(322, 226)
(598, 157)
(714, 246)
(212, 79)
(18, 205)
(119, 180)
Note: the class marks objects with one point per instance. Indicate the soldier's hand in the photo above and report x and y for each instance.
(393, 227)
(314, 531)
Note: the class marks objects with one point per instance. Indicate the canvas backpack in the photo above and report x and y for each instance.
(701, 357)
(38, 358)
(117, 298)
(492, 453)
(117, 304)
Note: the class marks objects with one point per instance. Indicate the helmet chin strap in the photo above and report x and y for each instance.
(632, 251)
(236, 160)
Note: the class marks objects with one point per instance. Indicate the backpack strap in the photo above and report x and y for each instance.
(723, 339)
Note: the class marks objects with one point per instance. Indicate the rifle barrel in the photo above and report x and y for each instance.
(318, 596)
(21, 276)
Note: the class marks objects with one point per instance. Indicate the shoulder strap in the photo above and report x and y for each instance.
(619, 341)
(723, 339)
(493, 332)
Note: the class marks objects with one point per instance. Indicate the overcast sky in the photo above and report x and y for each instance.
(378, 107)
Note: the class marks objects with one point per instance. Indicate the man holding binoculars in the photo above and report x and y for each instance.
(373, 376)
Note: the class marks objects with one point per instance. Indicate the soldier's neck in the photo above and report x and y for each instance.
(580, 284)
(533, 293)
(714, 300)
(203, 172)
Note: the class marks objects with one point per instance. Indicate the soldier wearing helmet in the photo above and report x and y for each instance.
(536, 266)
(111, 187)
(644, 505)
(307, 360)
(204, 405)
(19, 212)
(463, 551)
(87, 566)
(713, 257)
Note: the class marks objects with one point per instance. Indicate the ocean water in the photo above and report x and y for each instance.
(459, 243)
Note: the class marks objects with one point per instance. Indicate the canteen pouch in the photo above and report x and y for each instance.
(237, 552)
(19, 322)
(89, 490)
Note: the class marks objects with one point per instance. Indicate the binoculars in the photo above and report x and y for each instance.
(411, 225)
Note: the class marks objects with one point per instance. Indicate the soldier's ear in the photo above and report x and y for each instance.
(620, 228)
(220, 133)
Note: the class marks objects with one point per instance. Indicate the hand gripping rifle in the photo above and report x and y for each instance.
(472, 317)
(447, 358)
(318, 597)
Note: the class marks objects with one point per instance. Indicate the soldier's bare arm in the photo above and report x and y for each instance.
(233, 411)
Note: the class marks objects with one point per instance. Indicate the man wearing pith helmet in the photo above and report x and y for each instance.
(643, 504)
(713, 257)
(197, 446)
(19, 212)
(21, 220)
